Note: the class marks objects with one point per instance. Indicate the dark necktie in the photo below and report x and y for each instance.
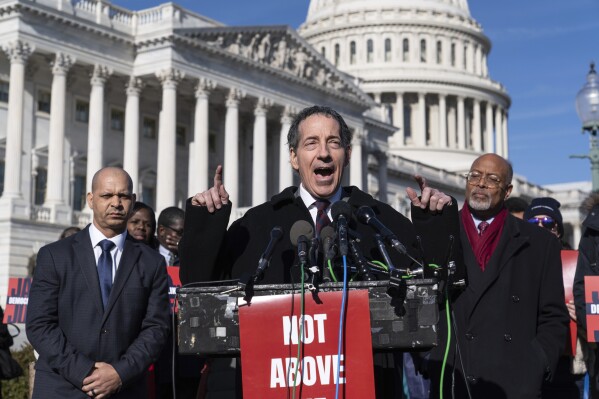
(482, 226)
(322, 219)
(105, 270)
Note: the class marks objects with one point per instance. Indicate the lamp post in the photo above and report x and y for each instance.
(587, 107)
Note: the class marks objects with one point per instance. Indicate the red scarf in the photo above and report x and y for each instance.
(484, 245)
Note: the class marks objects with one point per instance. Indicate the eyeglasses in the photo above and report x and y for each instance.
(546, 222)
(491, 181)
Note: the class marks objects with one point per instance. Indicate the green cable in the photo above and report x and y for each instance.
(331, 270)
(381, 264)
(446, 348)
(301, 330)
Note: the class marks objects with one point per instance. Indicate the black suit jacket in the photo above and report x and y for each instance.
(68, 327)
(511, 319)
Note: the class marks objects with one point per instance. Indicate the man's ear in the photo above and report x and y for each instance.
(508, 191)
(293, 159)
(90, 198)
(347, 155)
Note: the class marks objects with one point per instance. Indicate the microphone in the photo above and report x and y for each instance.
(275, 235)
(366, 215)
(361, 263)
(327, 236)
(341, 212)
(300, 234)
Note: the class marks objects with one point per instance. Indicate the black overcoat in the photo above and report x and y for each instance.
(511, 320)
(209, 251)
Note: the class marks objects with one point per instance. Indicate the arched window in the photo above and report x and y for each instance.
(439, 52)
(405, 50)
(352, 52)
(387, 50)
(369, 51)
(452, 54)
(337, 54)
(422, 50)
(465, 60)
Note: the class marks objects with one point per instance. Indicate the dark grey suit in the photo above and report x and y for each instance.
(68, 327)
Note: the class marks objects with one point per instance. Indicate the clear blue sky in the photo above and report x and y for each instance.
(541, 53)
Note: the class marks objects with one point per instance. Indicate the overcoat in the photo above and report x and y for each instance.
(510, 321)
(69, 328)
(209, 251)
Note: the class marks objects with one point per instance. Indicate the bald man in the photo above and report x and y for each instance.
(509, 324)
(98, 310)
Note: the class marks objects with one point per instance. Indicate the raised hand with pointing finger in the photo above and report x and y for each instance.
(430, 198)
(216, 196)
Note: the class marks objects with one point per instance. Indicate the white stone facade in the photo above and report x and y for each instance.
(169, 94)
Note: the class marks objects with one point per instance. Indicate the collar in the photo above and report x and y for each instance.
(478, 221)
(309, 199)
(164, 252)
(96, 236)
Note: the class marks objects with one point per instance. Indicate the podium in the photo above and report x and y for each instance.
(209, 322)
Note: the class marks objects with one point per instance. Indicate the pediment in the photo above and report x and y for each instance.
(281, 50)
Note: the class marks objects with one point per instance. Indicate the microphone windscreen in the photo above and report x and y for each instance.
(364, 214)
(341, 208)
(300, 228)
(327, 232)
(276, 233)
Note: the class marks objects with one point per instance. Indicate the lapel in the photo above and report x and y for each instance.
(84, 253)
(131, 253)
(510, 242)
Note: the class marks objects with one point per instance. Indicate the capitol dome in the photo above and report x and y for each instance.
(425, 63)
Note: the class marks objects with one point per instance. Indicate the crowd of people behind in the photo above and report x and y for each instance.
(98, 310)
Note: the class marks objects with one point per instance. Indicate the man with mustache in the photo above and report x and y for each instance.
(509, 324)
(98, 307)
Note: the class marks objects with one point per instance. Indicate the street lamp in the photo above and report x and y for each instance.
(587, 107)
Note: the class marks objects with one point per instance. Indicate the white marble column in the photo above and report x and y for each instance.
(399, 135)
(452, 127)
(506, 152)
(476, 132)
(18, 52)
(231, 164)
(459, 55)
(285, 169)
(489, 127)
(131, 140)
(95, 135)
(259, 169)
(167, 140)
(442, 121)
(199, 176)
(382, 158)
(461, 124)
(60, 211)
(498, 139)
(420, 137)
(355, 170)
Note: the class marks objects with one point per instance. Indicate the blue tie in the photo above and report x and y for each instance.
(105, 270)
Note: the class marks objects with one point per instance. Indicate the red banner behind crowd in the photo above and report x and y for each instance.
(270, 334)
(569, 259)
(17, 299)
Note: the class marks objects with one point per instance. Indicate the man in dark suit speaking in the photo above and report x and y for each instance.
(98, 307)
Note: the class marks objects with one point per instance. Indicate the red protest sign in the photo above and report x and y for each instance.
(591, 297)
(271, 329)
(569, 260)
(174, 282)
(17, 299)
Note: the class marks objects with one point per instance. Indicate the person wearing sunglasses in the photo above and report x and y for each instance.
(545, 213)
(169, 232)
(568, 381)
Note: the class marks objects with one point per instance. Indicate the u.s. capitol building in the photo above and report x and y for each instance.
(168, 94)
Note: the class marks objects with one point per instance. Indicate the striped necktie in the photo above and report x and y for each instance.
(322, 219)
(482, 226)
